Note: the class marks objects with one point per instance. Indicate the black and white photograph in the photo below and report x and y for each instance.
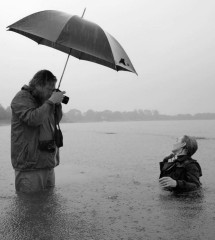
(107, 122)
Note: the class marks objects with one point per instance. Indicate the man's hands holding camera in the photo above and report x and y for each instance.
(57, 97)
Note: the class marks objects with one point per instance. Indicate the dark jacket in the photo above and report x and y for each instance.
(31, 123)
(185, 170)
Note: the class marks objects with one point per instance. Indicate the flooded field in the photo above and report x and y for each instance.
(107, 186)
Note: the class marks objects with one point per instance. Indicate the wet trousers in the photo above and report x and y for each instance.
(34, 181)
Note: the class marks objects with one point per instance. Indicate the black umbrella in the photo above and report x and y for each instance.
(75, 36)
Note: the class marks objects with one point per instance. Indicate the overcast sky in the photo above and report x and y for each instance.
(171, 44)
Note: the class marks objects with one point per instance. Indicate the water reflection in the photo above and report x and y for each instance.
(183, 212)
(181, 201)
(197, 195)
(30, 216)
(42, 216)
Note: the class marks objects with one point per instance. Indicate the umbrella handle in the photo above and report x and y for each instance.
(64, 68)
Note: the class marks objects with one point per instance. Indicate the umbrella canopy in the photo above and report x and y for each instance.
(75, 36)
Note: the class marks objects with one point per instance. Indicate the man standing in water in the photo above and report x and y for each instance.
(36, 110)
(184, 172)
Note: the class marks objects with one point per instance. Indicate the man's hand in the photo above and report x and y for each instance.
(167, 182)
(57, 97)
(168, 157)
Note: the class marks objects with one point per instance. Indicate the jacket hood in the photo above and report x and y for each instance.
(186, 160)
(26, 88)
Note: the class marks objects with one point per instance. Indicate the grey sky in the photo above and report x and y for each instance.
(171, 44)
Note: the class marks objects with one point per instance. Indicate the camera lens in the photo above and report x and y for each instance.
(65, 100)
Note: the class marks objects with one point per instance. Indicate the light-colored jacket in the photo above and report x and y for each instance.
(31, 123)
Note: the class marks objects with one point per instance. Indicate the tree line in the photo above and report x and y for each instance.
(5, 114)
(75, 115)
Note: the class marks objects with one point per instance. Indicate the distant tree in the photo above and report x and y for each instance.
(91, 116)
(155, 113)
(141, 114)
(8, 112)
(73, 115)
(116, 116)
(183, 117)
(106, 115)
(3, 113)
(204, 116)
(148, 114)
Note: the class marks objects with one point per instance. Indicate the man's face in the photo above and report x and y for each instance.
(45, 92)
(178, 145)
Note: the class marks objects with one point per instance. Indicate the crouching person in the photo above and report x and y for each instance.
(36, 109)
(178, 171)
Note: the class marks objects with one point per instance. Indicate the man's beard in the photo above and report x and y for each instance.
(39, 96)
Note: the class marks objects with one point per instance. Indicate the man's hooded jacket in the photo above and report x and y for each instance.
(31, 123)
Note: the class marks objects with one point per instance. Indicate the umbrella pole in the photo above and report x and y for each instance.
(64, 69)
(83, 13)
(68, 58)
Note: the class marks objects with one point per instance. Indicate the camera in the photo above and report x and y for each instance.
(65, 98)
(48, 146)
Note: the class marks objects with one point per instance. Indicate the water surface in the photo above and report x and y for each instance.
(107, 186)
